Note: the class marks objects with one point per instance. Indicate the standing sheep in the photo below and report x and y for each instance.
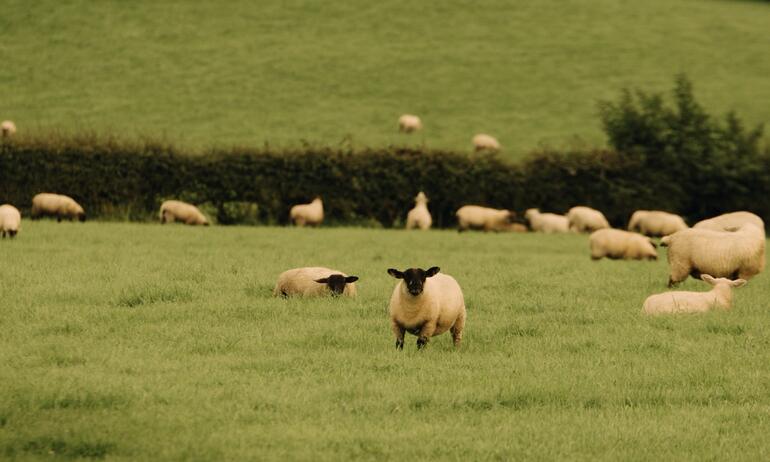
(7, 128)
(314, 282)
(721, 296)
(655, 223)
(730, 220)
(308, 214)
(488, 219)
(546, 222)
(619, 244)
(723, 254)
(409, 123)
(58, 205)
(171, 211)
(484, 142)
(586, 220)
(419, 217)
(10, 220)
(426, 303)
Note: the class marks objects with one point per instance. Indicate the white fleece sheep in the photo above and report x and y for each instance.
(546, 222)
(7, 128)
(619, 244)
(656, 223)
(721, 296)
(488, 219)
(484, 142)
(426, 303)
(58, 205)
(172, 210)
(314, 282)
(10, 220)
(586, 220)
(308, 214)
(409, 123)
(730, 220)
(695, 251)
(419, 217)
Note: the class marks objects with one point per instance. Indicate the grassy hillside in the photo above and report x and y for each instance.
(332, 72)
(142, 342)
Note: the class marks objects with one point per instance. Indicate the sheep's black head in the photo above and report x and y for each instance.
(82, 216)
(414, 278)
(336, 282)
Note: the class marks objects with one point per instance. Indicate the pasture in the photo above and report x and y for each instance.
(147, 342)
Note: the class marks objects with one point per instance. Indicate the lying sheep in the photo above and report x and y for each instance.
(619, 244)
(586, 220)
(426, 303)
(308, 214)
(477, 217)
(696, 251)
(58, 205)
(721, 296)
(730, 220)
(10, 220)
(484, 142)
(171, 211)
(517, 228)
(419, 217)
(409, 123)
(656, 223)
(314, 282)
(546, 222)
(7, 128)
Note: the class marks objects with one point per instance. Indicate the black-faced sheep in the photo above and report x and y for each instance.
(314, 282)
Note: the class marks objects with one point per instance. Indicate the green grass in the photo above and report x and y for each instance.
(202, 74)
(149, 342)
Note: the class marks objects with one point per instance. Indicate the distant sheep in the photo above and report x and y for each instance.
(721, 296)
(419, 217)
(314, 282)
(517, 228)
(7, 128)
(56, 205)
(695, 251)
(10, 220)
(172, 210)
(484, 142)
(619, 244)
(656, 223)
(409, 123)
(546, 222)
(485, 218)
(426, 303)
(730, 220)
(308, 214)
(586, 220)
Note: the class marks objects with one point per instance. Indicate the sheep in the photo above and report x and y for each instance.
(426, 303)
(314, 282)
(619, 244)
(7, 128)
(655, 223)
(484, 142)
(585, 219)
(696, 251)
(730, 220)
(58, 205)
(308, 214)
(546, 222)
(419, 217)
(721, 296)
(409, 123)
(517, 228)
(172, 210)
(477, 217)
(10, 220)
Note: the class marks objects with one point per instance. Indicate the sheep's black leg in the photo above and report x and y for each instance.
(421, 342)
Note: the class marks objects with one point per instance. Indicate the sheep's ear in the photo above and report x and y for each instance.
(395, 273)
(350, 279)
(739, 283)
(322, 280)
(708, 278)
(432, 271)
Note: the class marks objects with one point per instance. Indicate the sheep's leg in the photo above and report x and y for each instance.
(398, 331)
(426, 332)
(457, 330)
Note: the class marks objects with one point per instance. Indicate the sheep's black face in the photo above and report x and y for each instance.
(414, 278)
(336, 283)
(82, 217)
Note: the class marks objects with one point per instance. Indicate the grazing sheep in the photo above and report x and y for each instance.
(656, 223)
(171, 211)
(426, 303)
(586, 220)
(308, 214)
(619, 244)
(477, 217)
(721, 296)
(546, 222)
(419, 217)
(7, 128)
(314, 282)
(730, 220)
(409, 123)
(58, 205)
(484, 142)
(10, 220)
(723, 254)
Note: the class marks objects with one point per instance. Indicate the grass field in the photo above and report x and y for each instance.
(143, 342)
(281, 72)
